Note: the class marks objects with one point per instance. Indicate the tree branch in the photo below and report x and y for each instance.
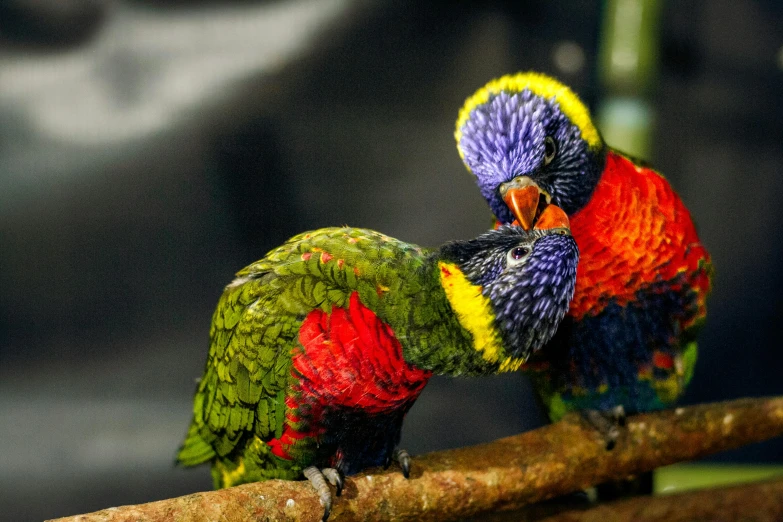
(505, 474)
(760, 502)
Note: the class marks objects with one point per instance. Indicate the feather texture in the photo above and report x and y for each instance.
(319, 349)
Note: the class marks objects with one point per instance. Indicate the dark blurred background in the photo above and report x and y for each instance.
(148, 150)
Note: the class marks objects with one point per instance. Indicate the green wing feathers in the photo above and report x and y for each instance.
(256, 324)
(195, 450)
(242, 392)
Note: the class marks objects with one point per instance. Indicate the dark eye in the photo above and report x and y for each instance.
(517, 255)
(550, 149)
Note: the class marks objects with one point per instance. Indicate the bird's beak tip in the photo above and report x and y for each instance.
(553, 217)
(523, 203)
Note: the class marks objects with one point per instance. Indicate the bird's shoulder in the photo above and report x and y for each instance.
(319, 252)
(634, 231)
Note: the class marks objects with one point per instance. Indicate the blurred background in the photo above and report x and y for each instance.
(148, 150)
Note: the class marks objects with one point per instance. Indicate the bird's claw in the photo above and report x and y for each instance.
(335, 478)
(404, 460)
(607, 423)
(318, 478)
(618, 412)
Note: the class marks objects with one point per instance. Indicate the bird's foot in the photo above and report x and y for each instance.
(403, 458)
(335, 478)
(318, 478)
(607, 423)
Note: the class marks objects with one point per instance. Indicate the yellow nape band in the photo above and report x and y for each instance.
(475, 314)
(540, 85)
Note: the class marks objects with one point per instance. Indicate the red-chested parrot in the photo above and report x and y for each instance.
(629, 338)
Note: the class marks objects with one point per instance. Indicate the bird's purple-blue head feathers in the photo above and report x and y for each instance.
(528, 278)
(527, 132)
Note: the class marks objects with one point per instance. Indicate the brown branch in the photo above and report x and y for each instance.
(760, 502)
(505, 474)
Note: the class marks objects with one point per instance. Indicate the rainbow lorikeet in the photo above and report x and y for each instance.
(628, 341)
(318, 350)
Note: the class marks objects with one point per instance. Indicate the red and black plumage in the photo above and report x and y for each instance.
(643, 277)
(350, 375)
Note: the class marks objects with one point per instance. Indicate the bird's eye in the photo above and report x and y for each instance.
(550, 149)
(517, 255)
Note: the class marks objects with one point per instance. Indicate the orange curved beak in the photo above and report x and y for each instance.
(523, 203)
(552, 217)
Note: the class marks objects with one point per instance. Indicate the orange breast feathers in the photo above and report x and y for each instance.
(634, 232)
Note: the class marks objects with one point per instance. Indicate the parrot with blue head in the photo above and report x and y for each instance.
(628, 342)
(318, 350)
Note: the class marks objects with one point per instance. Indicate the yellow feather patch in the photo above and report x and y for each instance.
(231, 477)
(474, 312)
(540, 85)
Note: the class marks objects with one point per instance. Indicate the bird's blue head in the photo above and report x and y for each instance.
(526, 281)
(530, 141)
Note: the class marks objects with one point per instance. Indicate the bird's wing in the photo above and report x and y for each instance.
(256, 325)
(243, 390)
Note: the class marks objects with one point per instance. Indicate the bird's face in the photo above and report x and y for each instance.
(529, 141)
(527, 276)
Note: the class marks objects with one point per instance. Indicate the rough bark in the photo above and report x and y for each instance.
(761, 502)
(502, 475)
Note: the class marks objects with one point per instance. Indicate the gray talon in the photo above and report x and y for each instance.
(619, 415)
(335, 478)
(318, 480)
(607, 423)
(404, 459)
